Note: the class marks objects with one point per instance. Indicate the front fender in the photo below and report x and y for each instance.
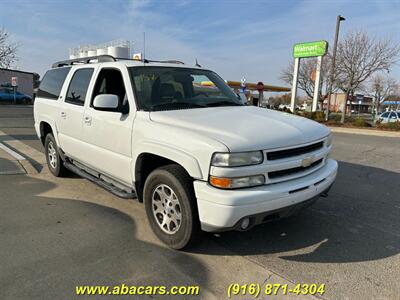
(186, 160)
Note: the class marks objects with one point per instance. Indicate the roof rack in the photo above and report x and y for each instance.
(83, 60)
(106, 58)
(168, 61)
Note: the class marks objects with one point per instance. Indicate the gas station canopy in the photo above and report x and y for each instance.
(253, 86)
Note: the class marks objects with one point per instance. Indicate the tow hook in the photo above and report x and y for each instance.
(324, 194)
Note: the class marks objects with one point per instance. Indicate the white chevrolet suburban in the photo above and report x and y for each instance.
(180, 140)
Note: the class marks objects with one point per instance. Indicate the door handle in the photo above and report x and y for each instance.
(87, 120)
(63, 115)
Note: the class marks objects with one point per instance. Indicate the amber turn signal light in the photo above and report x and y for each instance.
(220, 182)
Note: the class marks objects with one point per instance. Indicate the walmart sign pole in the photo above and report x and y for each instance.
(317, 83)
(304, 50)
(294, 84)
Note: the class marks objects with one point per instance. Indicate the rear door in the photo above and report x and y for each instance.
(48, 101)
(108, 133)
(70, 117)
(393, 117)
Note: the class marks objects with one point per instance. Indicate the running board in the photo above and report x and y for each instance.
(105, 185)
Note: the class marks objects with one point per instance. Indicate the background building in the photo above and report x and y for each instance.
(390, 105)
(358, 103)
(25, 80)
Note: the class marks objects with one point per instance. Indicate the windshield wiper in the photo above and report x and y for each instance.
(177, 105)
(223, 103)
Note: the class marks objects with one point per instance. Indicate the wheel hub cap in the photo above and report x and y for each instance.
(52, 155)
(166, 209)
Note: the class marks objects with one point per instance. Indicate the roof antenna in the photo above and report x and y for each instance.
(144, 47)
(197, 64)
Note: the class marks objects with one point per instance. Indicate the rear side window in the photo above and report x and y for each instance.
(78, 87)
(385, 115)
(52, 83)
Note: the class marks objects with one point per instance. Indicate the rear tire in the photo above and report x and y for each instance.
(171, 206)
(54, 161)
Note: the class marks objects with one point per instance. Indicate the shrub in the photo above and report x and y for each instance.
(315, 115)
(335, 117)
(359, 122)
(388, 126)
(333, 123)
(319, 116)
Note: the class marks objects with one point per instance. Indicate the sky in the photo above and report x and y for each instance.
(251, 39)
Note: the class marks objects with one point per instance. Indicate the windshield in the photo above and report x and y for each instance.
(168, 88)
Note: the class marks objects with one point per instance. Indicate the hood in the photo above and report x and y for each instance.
(245, 128)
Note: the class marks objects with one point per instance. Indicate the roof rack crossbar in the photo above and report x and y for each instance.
(84, 60)
(107, 58)
(145, 60)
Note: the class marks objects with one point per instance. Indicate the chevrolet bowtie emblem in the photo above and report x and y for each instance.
(307, 161)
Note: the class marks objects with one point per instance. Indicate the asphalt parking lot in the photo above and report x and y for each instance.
(59, 233)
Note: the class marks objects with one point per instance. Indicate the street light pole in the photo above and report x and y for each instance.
(328, 101)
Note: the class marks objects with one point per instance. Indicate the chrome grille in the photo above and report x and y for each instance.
(293, 171)
(286, 153)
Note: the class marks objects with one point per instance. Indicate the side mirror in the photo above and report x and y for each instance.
(242, 97)
(106, 102)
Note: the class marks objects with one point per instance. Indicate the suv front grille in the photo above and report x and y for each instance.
(292, 171)
(294, 151)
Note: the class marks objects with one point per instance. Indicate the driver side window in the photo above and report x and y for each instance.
(110, 81)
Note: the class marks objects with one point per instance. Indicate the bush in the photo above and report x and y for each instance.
(333, 123)
(360, 122)
(388, 126)
(318, 116)
(335, 117)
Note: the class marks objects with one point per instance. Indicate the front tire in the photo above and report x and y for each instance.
(171, 207)
(54, 161)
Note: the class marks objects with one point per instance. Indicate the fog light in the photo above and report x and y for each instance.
(245, 223)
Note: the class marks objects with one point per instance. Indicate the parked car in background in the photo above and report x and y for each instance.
(7, 95)
(389, 116)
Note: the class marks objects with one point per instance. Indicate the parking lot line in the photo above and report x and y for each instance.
(12, 152)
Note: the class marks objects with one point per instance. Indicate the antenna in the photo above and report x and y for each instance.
(197, 64)
(144, 47)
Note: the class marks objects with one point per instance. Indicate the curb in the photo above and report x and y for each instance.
(28, 158)
(23, 161)
(365, 131)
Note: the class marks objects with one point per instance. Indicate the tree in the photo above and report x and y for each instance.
(305, 77)
(8, 50)
(279, 99)
(358, 57)
(382, 87)
(36, 80)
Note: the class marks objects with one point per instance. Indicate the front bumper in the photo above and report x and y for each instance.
(221, 210)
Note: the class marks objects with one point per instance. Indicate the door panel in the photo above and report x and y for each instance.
(70, 117)
(70, 129)
(108, 134)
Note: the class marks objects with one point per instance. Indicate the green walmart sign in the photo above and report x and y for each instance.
(310, 49)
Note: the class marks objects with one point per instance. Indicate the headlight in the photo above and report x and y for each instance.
(237, 182)
(237, 159)
(328, 141)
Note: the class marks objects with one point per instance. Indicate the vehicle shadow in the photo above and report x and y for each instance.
(359, 221)
(51, 245)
